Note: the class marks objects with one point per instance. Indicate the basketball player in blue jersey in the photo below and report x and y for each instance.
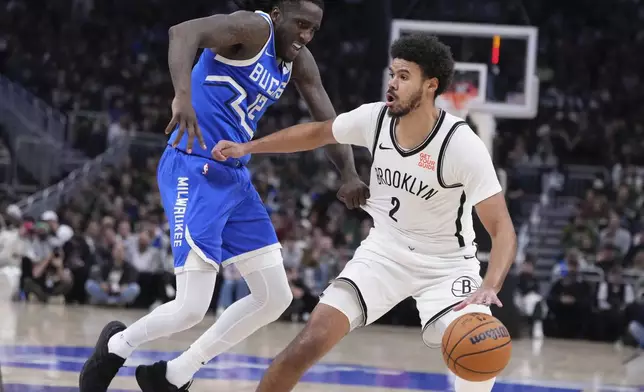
(216, 217)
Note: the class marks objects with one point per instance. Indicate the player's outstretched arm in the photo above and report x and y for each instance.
(301, 137)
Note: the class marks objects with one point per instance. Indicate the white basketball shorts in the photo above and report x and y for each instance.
(382, 275)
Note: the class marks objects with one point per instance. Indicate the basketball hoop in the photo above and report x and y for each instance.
(457, 99)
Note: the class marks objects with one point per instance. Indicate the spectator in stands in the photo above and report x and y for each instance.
(145, 255)
(303, 301)
(319, 265)
(115, 282)
(292, 250)
(15, 244)
(119, 129)
(124, 230)
(233, 288)
(569, 305)
(608, 256)
(79, 258)
(48, 277)
(528, 297)
(580, 234)
(59, 233)
(613, 296)
(573, 256)
(12, 217)
(92, 235)
(615, 235)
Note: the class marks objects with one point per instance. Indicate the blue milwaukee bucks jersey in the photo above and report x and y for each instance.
(230, 96)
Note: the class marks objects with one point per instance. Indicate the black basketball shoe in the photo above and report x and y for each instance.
(151, 378)
(102, 366)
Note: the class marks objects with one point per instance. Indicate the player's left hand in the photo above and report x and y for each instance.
(482, 296)
(354, 193)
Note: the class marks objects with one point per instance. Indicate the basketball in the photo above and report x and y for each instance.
(476, 347)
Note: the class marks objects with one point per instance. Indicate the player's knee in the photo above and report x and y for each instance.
(268, 284)
(433, 332)
(192, 316)
(282, 299)
(279, 298)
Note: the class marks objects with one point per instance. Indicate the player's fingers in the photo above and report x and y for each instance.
(496, 301)
(355, 201)
(202, 143)
(362, 199)
(218, 155)
(191, 136)
(340, 196)
(179, 135)
(462, 305)
(171, 125)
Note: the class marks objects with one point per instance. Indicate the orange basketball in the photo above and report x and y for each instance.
(476, 346)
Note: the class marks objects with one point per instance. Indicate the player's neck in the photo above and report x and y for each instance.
(413, 128)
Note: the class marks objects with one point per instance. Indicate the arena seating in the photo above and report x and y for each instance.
(109, 75)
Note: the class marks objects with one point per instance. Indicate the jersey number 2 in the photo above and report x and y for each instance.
(396, 205)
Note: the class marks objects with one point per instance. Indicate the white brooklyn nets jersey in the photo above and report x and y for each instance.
(422, 198)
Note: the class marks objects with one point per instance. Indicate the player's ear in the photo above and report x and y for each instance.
(276, 14)
(432, 85)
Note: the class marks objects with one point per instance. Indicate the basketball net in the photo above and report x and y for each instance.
(456, 102)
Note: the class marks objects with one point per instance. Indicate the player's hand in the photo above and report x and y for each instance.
(354, 193)
(482, 296)
(226, 149)
(183, 114)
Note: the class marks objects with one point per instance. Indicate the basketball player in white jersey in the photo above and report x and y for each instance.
(429, 170)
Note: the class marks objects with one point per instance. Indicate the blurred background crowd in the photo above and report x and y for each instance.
(573, 176)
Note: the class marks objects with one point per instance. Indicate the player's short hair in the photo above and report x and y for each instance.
(268, 5)
(431, 55)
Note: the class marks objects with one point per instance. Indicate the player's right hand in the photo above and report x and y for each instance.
(183, 114)
(226, 149)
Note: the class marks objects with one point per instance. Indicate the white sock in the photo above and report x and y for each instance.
(119, 346)
(194, 293)
(270, 296)
(461, 385)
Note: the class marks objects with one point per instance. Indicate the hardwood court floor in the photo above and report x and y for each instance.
(42, 348)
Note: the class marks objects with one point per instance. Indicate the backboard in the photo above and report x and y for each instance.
(499, 59)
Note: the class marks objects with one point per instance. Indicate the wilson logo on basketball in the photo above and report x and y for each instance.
(493, 333)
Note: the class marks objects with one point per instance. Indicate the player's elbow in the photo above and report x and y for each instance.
(503, 227)
(192, 32)
(504, 232)
(177, 32)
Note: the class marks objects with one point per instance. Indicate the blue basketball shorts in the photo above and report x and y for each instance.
(212, 209)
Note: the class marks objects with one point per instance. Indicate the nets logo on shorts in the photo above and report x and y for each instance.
(464, 286)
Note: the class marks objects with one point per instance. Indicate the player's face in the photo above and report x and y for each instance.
(295, 26)
(408, 88)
